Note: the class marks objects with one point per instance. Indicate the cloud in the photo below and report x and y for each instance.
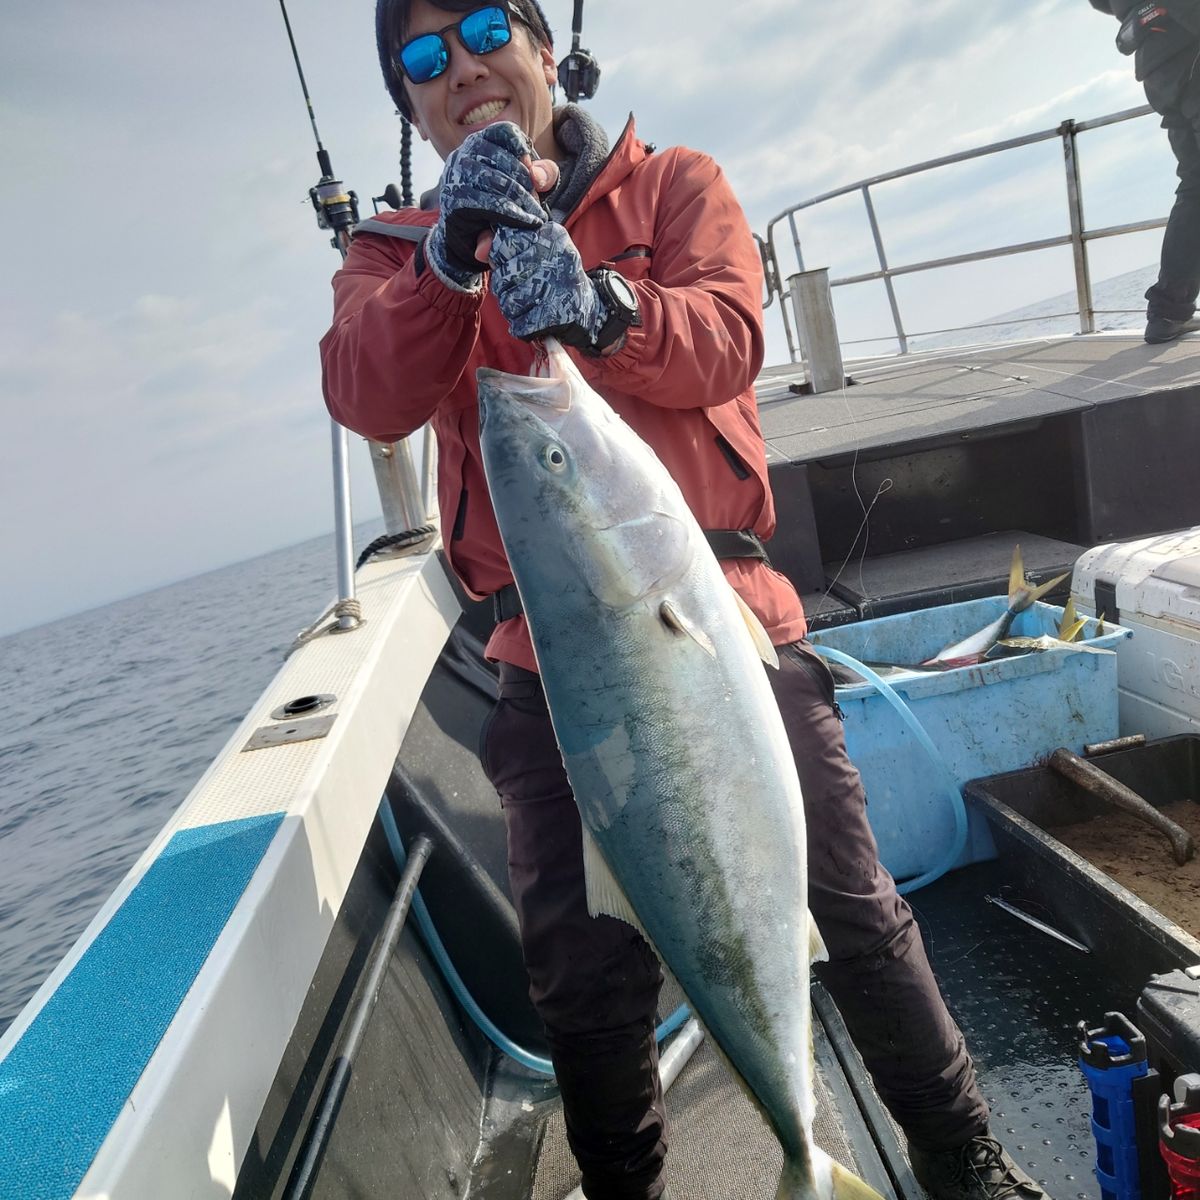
(1103, 93)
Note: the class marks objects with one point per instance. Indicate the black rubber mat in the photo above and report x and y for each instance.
(1018, 995)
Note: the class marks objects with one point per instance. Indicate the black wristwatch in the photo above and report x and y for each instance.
(621, 302)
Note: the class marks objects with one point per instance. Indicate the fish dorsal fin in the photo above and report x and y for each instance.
(762, 642)
(605, 896)
(673, 619)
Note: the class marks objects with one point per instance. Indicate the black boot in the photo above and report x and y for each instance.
(978, 1170)
(1163, 329)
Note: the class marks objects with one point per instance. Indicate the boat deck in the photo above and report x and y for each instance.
(1017, 995)
(888, 490)
(721, 1146)
(904, 401)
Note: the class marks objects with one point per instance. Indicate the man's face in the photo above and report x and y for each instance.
(510, 84)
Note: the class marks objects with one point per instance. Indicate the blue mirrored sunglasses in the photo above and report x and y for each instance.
(426, 56)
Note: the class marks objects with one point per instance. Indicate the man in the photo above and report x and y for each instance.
(644, 264)
(1165, 42)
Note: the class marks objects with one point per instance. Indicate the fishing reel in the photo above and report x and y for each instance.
(579, 75)
(336, 208)
(579, 72)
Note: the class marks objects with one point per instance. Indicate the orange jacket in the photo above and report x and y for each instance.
(403, 349)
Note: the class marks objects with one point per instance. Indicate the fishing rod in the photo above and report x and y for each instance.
(336, 208)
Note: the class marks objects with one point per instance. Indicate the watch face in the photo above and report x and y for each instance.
(622, 291)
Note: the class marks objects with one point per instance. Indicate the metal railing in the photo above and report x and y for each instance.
(1078, 237)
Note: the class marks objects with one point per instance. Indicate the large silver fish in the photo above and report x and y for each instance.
(692, 814)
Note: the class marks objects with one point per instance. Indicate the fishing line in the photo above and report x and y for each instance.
(885, 485)
(335, 207)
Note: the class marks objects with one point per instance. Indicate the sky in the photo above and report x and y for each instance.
(165, 284)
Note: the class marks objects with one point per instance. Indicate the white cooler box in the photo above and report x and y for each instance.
(1152, 587)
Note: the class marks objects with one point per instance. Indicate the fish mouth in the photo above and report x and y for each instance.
(528, 389)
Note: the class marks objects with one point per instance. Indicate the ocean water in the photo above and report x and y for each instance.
(110, 718)
(1119, 303)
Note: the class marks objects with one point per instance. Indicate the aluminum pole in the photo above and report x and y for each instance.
(343, 524)
(1083, 276)
(883, 266)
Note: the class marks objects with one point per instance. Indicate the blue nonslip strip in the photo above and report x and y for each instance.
(64, 1083)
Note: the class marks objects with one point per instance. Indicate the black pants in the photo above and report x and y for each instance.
(595, 982)
(1174, 294)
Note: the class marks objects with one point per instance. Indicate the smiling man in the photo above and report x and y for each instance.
(643, 264)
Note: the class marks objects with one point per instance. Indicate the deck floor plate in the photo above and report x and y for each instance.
(1018, 994)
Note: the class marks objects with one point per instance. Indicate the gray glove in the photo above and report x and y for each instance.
(485, 185)
(542, 288)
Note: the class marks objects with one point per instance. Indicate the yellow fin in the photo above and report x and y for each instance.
(1016, 576)
(1068, 617)
(1021, 593)
(672, 618)
(821, 1178)
(762, 643)
(1071, 625)
(1038, 592)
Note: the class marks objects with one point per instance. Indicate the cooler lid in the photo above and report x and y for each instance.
(1129, 565)
(1184, 570)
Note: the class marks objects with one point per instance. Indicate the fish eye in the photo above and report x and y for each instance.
(553, 458)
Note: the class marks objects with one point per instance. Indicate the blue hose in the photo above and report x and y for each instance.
(953, 792)
(455, 981)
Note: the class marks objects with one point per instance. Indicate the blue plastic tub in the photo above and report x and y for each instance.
(998, 716)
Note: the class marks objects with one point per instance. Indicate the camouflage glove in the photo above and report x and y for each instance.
(542, 288)
(485, 185)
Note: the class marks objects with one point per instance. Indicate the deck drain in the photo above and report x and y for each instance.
(303, 706)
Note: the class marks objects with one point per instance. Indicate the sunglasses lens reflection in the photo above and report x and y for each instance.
(481, 32)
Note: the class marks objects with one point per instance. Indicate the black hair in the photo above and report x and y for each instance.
(391, 21)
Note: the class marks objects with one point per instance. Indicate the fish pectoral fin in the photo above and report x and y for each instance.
(762, 641)
(816, 943)
(605, 896)
(674, 620)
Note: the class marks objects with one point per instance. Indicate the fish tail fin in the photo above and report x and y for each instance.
(1016, 579)
(821, 1178)
(1071, 625)
(1038, 592)
(1021, 594)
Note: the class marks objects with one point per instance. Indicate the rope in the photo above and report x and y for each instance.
(396, 541)
(330, 621)
(338, 609)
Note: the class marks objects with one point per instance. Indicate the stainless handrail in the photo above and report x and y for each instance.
(1078, 237)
